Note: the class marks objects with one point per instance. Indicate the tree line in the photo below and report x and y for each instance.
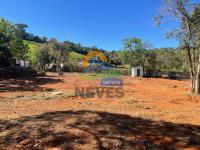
(135, 51)
(14, 43)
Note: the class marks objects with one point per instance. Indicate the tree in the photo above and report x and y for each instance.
(134, 51)
(7, 32)
(18, 48)
(11, 45)
(114, 57)
(58, 52)
(73, 62)
(150, 60)
(21, 30)
(5, 53)
(181, 11)
(52, 52)
(43, 57)
(170, 59)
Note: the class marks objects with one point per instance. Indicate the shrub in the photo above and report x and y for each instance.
(72, 67)
(125, 72)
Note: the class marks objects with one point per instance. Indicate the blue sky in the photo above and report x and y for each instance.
(103, 23)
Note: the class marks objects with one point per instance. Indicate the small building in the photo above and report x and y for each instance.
(137, 71)
(22, 63)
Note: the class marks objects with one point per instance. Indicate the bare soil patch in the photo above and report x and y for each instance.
(44, 113)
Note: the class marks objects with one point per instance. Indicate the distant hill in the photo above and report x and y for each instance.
(33, 46)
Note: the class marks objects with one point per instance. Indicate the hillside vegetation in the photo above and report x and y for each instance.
(33, 50)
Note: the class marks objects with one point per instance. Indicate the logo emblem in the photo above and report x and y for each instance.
(95, 61)
(111, 82)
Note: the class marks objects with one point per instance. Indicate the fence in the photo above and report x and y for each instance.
(168, 75)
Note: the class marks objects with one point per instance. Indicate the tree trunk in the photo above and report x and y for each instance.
(197, 87)
(192, 84)
(196, 90)
(192, 72)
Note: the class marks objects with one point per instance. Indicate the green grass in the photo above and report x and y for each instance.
(99, 76)
(32, 45)
(33, 48)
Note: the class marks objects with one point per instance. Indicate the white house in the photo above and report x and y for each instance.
(23, 63)
(137, 71)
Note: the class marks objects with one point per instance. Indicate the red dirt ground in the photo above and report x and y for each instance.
(44, 113)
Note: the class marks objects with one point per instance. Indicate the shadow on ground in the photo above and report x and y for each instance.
(26, 84)
(95, 130)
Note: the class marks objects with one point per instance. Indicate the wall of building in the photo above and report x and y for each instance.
(134, 71)
(23, 63)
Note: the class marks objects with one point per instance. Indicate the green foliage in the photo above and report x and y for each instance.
(114, 72)
(134, 51)
(41, 52)
(73, 63)
(11, 45)
(165, 59)
(113, 58)
(18, 48)
(33, 52)
(5, 56)
(52, 52)
(151, 60)
(196, 27)
(171, 60)
(20, 30)
(6, 35)
(7, 30)
(186, 14)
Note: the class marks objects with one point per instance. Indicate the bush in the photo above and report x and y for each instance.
(72, 67)
(73, 63)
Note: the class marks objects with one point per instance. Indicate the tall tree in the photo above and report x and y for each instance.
(180, 11)
(21, 30)
(5, 53)
(134, 51)
(18, 48)
(10, 43)
(53, 52)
